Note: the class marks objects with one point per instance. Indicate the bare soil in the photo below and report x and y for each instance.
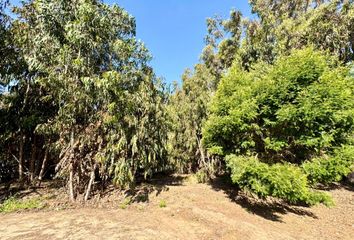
(193, 211)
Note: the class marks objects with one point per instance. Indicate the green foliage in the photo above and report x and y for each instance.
(187, 110)
(110, 114)
(283, 181)
(163, 203)
(223, 42)
(126, 202)
(79, 89)
(332, 168)
(280, 27)
(286, 25)
(8, 65)
(14, 204)
(299, 107)
(202, 176)
(24, 104)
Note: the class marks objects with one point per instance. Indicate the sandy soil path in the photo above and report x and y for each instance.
(193, 211)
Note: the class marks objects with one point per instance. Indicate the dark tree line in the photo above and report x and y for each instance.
(80, 96)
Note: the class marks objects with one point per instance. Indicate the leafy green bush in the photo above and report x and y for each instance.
(202, 176)
(14, 204)
(333, 168)
(289, 111)
(283, 181)
(299, 108)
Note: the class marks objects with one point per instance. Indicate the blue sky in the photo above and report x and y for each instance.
(174, 30)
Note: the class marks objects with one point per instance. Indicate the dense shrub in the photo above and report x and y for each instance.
(333, 168)
(298, 109)
(301, 106)
(202, 176)
(284, 181)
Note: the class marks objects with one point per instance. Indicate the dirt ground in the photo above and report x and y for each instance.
(192, 211)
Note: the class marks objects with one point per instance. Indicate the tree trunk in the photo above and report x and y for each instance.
(22, 138)
(71, 174)
(92, 179)
(71, 183)
(44, 163)
(33, 160)
(20, 159)
(202, 153)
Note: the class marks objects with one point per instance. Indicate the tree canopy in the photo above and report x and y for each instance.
(300, 106)
(108, 114)
(298, 109)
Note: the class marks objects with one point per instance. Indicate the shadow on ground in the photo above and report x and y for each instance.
(333, 186)
(144, 188)
(18, 190)
(268, 209)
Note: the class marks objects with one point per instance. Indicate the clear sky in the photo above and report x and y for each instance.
(174, 30)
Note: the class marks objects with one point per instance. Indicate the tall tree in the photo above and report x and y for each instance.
(285, 25)
(188, 105)
(110, 116)
(4, 21)
(22, 106)
(222, 43)
(188, 111)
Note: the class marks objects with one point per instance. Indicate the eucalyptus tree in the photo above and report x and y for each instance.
(276, 27)
(222, 43)
(188, 104)
(4, 163)
(188, 110)
(4, 21)
(22, 108)
(110, 116)
(284, 25)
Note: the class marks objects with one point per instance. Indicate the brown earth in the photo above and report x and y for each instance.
(193, 211)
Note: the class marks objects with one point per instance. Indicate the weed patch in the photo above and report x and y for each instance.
(14, 204)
